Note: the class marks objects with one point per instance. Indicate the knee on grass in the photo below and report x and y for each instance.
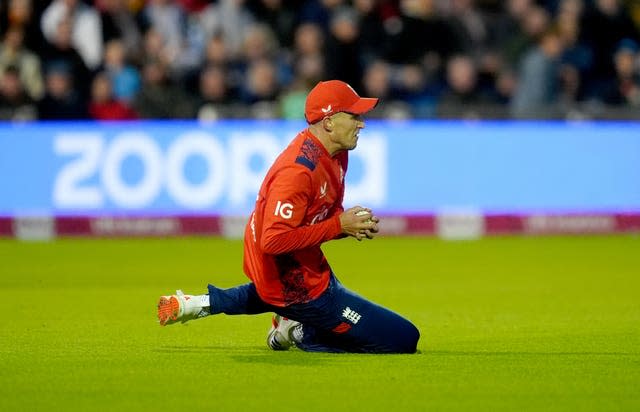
(408, 338)
(403, 339)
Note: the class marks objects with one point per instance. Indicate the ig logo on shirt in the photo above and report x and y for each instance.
(285, 210)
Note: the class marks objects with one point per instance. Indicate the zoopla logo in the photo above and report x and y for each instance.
(92, 157)
(94, 171)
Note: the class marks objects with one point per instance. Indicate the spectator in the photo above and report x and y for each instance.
(119, 23)
(308, 71)
(279, 15)
(377, 82)
(504, 88)
(406, 45)
(462, 96)
(153, 47)
(577, 59)
(214, 98)
(412, 86)
(343, 48)
(507, 30)
(181, 40)
(217, 54)
(169, 20)
(308, 61)
(570, 9)
(470, 27)
(292, 102)
(228, 19)
(61, 100)
(371, 28)
(61, 51)
(124, 78)
(421, 36)
(538, 77)
(261, 44)
(15, 104)
(13, 53)
(308, 41)
(86, 28)
(624, 89)
(261, 90)
(159, 97)
(262, 83)
(533, 24)
(25, 15)
(103, 105)
(319, 12)
(606, 23)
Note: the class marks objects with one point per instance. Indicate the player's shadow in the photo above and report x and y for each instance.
(260, 354)
(206, 349)
(251, 354)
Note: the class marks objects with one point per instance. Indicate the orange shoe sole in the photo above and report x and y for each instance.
(168, 309)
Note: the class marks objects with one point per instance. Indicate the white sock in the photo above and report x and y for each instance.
(204, 300)
(201, 302)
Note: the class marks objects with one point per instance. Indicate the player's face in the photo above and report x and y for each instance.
(346, 129)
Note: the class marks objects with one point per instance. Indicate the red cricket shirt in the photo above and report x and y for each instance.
(297, 209)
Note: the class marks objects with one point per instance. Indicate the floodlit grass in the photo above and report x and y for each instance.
(507, 324)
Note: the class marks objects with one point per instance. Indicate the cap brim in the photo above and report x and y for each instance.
(363, 105)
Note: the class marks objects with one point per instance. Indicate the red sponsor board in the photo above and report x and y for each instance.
(447, 226)
(6, 226)
(201, 225)
(628, 222)
(503, 224)
(73, 226)
(419, 225)
(569, 224)
(138, 226)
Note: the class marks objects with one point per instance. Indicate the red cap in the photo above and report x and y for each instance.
(333, 96)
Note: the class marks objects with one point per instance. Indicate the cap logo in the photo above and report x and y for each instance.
(326, 110)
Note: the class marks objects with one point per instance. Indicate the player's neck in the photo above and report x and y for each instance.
(325, 139)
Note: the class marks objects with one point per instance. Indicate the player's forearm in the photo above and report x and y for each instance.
(275, 241)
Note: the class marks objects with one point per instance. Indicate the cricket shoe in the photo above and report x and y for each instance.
(180, 308)
(284, 333)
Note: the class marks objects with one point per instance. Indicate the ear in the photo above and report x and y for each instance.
(327, 124)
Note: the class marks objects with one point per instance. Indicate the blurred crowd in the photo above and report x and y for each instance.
(212, 59)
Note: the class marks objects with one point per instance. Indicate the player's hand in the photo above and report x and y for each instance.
(361, 227)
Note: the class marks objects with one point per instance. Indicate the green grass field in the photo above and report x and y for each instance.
(507, 324)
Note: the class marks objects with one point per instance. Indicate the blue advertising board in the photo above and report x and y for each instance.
(184, 167)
